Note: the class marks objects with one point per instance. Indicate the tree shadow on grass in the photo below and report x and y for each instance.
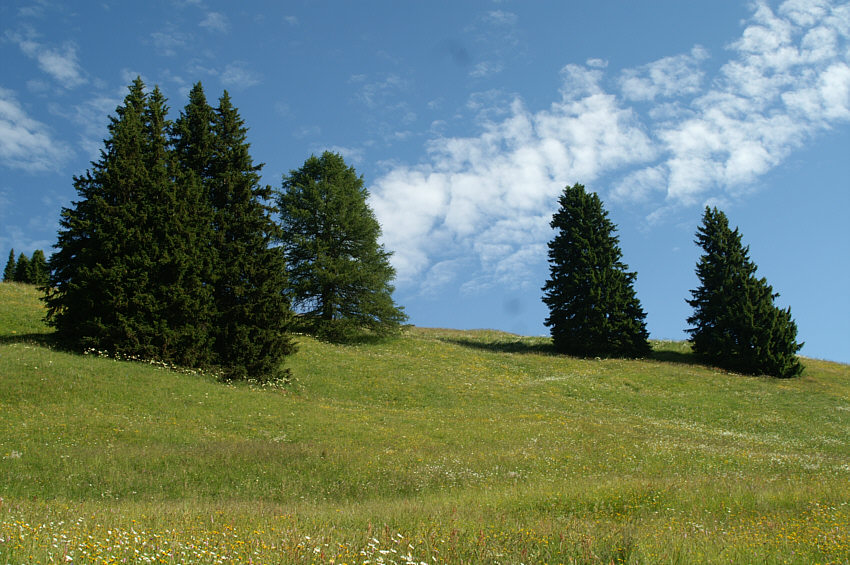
(41, 339)
(546, 348)
(682, 357)
(516, 346)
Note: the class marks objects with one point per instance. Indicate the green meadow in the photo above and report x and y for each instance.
(438, 446)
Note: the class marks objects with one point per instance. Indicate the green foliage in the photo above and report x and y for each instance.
(167, 253)
(22, 269)
(37, 270)
(736, 324)
(592, 303)
(28, 270)
(340, 276)
(9, 271)
(253, 314)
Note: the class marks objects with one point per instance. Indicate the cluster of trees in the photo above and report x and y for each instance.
(172, 251)
(30, 270)
(594, 310)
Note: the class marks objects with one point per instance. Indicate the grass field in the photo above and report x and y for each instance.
(439, 446)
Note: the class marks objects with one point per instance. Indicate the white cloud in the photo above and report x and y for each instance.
(237, 75)
(484, 201)
(61, 64)
(26, 143)
(168, 42)
(492, 195)
(215, 21)
(668, 77)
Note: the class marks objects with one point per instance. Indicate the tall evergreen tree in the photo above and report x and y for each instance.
(339, 274)
(97, 270)
(735, 322)
(22, 269)
(593, 309)
(253, 314)
(9, 271)
(37, 270)
(119, 277)
(192, 139)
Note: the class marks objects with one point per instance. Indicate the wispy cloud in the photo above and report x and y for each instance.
(169, 41)
(26, 143)
(496, 38)
(663, 134)
(59, 63)
(237, 75)
(215, 21)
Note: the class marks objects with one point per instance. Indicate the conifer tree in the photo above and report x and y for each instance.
(735, 322)
(37, 270)
(119, 277)
(340, 276)
(97, 295)
(253, 314)
(9, 271)
(592, 303)
(22, 269)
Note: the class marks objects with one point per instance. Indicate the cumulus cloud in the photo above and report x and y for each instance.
(668, 77)
(24, 142)
(663, 134)
(59, 63)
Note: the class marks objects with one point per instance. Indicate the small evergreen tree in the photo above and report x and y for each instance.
(253, 314)
(9, 271)
(340, 275)
(37, 270)
(22, 269)
(593, 310)
(735, 322)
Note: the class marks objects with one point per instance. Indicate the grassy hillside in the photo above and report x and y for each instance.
(440, 446)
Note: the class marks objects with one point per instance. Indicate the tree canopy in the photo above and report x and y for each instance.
(146, 254)
(339, 274)
(593, 309)
(735, 322)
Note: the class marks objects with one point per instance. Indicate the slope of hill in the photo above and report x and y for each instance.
(438, 446)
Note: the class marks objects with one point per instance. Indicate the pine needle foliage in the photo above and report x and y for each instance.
(9, 271)
(340, 276)
(593, 309)
(253, 315)
(735, 322)
(167, 254)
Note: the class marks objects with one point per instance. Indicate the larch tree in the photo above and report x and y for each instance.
(340, 275)
(593, 309)
(735, 323)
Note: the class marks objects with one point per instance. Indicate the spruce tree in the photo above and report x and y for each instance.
(9, 271)
(735, 322)
(22, 269)
(592, 303)
(97, 295)
(191, 139)
(119, 276)
(253, 314)
(340, 276)
(37, 270)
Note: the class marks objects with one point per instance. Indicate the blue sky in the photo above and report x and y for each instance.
(467, 119)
